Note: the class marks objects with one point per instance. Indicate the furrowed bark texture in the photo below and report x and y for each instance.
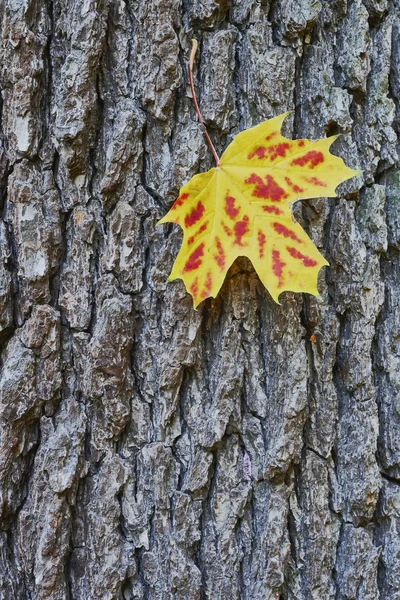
(149, 451)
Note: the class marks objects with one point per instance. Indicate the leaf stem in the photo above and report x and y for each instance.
(191, 61)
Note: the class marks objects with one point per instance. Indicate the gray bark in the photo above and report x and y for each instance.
(246, 450)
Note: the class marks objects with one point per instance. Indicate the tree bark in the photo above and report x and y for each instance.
(246, 450)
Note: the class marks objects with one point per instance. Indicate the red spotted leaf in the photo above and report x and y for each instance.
(242, 207)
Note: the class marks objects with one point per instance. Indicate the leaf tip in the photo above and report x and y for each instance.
(275, 297)
(283, 116)
(333, 138)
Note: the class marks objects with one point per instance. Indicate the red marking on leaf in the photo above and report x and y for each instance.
(196, 235)
(313, 157)
(220, 256)
(230, 208)
(195, 215)
(207, 286)
(295, 188)
(254, 179)
(277, 265)
(316, 181)
(179, 201)
(271, 135)
(273, 151)
(259, 152)
(194, 288)
(273, 190)
(301, 143)
(194, 261)
(307, 261)
(288, 233)
(272, 209)
(261, 242)
(227, 230)
(270, 190)
(241, 228)
(278, 150)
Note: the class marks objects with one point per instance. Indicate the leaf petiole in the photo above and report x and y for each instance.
(191, 61)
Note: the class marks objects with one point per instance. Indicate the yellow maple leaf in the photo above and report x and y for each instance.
(242, 207)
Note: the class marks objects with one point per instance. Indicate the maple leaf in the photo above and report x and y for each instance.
(242, 207)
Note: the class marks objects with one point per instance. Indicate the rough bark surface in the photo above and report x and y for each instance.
(149, 451)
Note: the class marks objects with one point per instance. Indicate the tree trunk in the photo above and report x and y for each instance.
(246, 450)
